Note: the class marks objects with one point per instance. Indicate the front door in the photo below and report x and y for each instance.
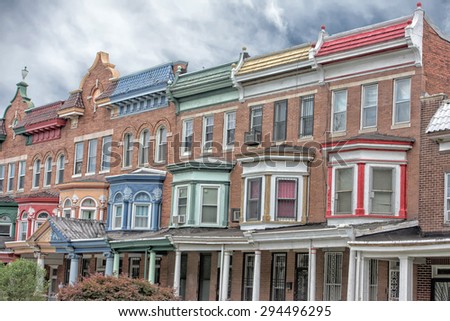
(204, 279)
(301, 277)
(440, 290)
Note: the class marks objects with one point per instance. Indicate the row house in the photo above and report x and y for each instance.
(312, 173)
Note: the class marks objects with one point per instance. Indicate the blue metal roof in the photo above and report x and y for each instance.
(146, 81)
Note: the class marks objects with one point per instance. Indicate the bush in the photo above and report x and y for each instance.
(19, 281)
(109, 288)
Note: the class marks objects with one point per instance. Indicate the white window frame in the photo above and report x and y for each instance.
(337, 277)
(303, 101)
(227, 129)
(60, 164)
(88, 208)
(127, 150)
(10, 228)
(2, 178)
(160, 154)
(188, 131)
(396, 103)
(91, 165)
(11, 173)
(23, 220)
(333, 106)
(39, 221)
(277, 121)
(261, 200)
(144, 147)
(65, 208)
(365, 106)
(446, 197)
(106, 154)
(395, 189)
(133, 220)
(176, 199)
(48, 171)
(354, 190)
(253, 110)
(21, 174)
(78, 159)
(36, 173)
(115, 206)
(296, 198)
(208, 122)
(218, 205)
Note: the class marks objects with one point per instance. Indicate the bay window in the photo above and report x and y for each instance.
(141, 213)
(382, 190)
(253, 198)
(209, 208)
(344, 191)
(286, 198)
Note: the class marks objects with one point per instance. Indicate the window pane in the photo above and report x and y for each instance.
(209, 206)
(253, 198)
(344, 179)
(402, 112)
(141, 216)
(382, 190)
(92, 156)
(403, 89)
(340, 101)
(106, 152)
(370, 117)
(382, 179)
(344, 203)
(344, 191)
(210, 196)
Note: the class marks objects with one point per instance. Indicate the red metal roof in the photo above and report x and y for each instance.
(40, 114)
(363, 39)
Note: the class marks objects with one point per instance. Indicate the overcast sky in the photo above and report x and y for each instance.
(57, 39)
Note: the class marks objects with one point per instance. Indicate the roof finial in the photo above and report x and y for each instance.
(24, 73)
(323, 27)
(419, 5)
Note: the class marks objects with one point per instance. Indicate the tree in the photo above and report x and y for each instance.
(21, 281)
(109, 288)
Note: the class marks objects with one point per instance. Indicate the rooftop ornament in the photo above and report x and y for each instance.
(24, 73)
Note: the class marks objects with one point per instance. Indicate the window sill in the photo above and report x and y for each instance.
(126, 168)
(368, 130)
(401, 125)
(76, 175)
(338, 134)
(89, 174)
(305, 138)
(35, 188)
(104, 172)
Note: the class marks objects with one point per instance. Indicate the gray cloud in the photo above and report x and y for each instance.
(57, 40)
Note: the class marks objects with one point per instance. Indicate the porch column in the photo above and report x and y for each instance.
(116, 264)
(40, 263)
(225, 275)
(74, 263)
(358, 277)
(351, 275)
(109, 263)
(151, 267)
(406, 279)
(312, 274)
(177, 272)
(256, 276)
(364, 282)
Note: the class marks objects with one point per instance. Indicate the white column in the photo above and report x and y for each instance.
(358, 277)
(312, 274)
(151, 267)
(351, 276)
(116, 265)
(41, 264)
(225, 275)
(177, 273)
(406, 279)
(256, 276)
(109, 263)
(364, 283)
(74, 262)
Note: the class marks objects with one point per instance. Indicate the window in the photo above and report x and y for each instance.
(23, 227)
(278, 277)
(187, 136)
(161, 141)
(67, 208)
(106, 153)
(21, 180)
(339, 119)
(344, 191)
(48, 172)
(36, 173)
(92, 156)
(88, 208)
(182, 200)
(144, 147)
(41, 218)
(402, 100)
(2, 177)
(230, 127)
(301, 277)
(369, 106)
(11, 173)
(381, 192)
(286, 199)
(135, 267)
(127, 149)
(253, 198)
(5, 226)
(60, 169)
(306, 116)
(247, 284)
(117, 212)
(141, 218)
(210, 205)
(447, 197)
(85, 263)
(279, 121)
(333, 276)
(208, 127)
(78, 163)
(256, 119)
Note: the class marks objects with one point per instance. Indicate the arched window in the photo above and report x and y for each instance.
(23, 227)
(117, 211)
(67, 208)
(141, 211)
(41, 218)
(144, 147)
(36, 172)
(88, 209)
(48, 172)
(127, 149)
(161, 148)
(60, 169)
